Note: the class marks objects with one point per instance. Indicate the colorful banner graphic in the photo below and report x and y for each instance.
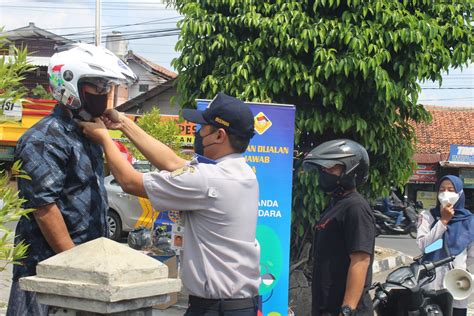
(270, 154)
(424, 173)
(428, 198)
(467, 176)
(461, 154)
(10, 111)
(7, 153)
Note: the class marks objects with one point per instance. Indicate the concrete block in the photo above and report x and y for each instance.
(79, 304)
(102, 261)
(100, 292)
(101, 276)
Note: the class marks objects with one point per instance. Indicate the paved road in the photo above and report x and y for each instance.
(402, 243)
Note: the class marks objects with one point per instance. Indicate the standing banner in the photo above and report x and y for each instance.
(461, 154)
(270, 154)
(424, 173)
(428, 199)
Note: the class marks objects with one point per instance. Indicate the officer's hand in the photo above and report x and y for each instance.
(96, 130)
(113, 119)
(447, 213)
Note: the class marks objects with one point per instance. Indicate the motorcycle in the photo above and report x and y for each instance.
(402, 293)
(385, 225)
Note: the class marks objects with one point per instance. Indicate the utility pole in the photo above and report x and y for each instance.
(97, 22)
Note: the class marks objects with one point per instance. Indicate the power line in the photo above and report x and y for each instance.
(87, 8)
(154, 44)
(126, 32)
(118, 25)
(136, 35)
(93, 2)
(77, 13)
(136, 38)
(159, 53)
(449, 99)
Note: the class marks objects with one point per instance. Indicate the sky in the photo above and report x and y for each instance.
(150, 27)
(75, 19)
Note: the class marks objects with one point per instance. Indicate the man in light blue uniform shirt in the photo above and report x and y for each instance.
(219, 200)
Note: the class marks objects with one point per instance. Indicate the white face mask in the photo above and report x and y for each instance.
(447, 197)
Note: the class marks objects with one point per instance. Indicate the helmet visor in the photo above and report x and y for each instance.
(101, 85)
(319, 163)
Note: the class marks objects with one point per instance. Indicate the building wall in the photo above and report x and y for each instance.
(37, 46)
(163, 102)
(38, 76)
(144, 78)
(122, 95)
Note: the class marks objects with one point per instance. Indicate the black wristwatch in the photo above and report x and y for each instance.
(346, 310)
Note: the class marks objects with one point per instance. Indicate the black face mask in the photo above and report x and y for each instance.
(329, 183)
(198, 146)
(95, 104)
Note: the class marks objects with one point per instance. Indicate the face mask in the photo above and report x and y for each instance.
(198, 146)
(447, 197)
(95, 104)
(328, 182)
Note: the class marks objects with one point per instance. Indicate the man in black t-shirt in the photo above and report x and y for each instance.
(345, 234)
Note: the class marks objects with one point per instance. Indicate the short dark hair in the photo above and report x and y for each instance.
(238, 143)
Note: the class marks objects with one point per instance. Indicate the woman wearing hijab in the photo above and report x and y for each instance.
(449, 221)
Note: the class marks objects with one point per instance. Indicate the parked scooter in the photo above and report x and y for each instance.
(402, 292)
(385, 225)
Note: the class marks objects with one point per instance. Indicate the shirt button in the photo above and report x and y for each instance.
(212, 192)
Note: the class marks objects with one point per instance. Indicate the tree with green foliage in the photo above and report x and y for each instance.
(351, 67)
(12, 71)
(166, 131)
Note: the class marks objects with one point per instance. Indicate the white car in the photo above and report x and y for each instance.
(127, 212)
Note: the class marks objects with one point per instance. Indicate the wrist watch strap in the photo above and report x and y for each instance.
(346, 310)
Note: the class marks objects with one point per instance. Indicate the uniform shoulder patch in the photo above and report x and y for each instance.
(180, 171)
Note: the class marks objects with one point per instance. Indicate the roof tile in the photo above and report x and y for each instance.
(160, 69)
(448, 126)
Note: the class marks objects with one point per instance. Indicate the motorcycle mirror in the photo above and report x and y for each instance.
(438, 244)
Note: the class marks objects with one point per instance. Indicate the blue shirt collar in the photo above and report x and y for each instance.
(66, 117)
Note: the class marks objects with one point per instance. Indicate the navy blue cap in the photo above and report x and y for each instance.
(225, 112)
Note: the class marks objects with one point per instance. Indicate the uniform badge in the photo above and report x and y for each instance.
(180, 171)
(177, 236)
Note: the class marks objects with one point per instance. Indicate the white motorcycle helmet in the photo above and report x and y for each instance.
(76, 64)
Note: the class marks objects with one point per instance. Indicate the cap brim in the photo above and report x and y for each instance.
(195, 116)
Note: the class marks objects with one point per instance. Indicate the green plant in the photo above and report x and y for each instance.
(12, 72)
(10, 211)
(40, 92)
(163, 130)
(351, 67)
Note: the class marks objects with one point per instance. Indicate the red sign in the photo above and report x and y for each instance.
(425, 173)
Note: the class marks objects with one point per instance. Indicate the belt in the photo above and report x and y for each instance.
(222, 304)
